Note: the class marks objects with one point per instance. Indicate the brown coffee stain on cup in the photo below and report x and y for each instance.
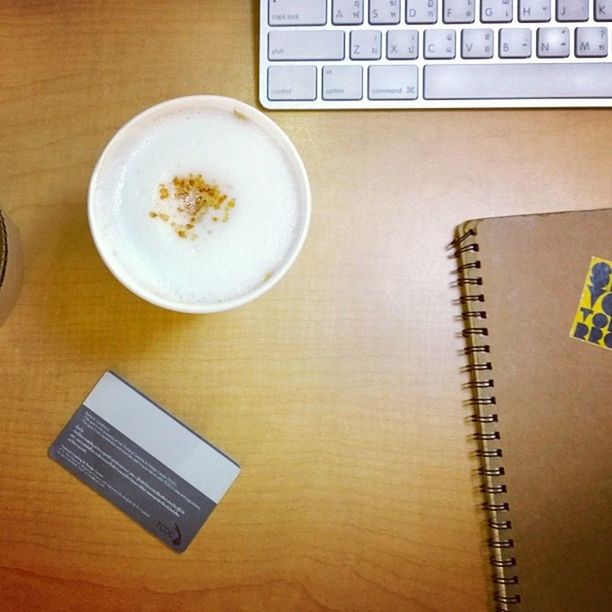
(185, 202)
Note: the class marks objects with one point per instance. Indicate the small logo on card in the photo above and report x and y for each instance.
(593, 320)
(172, 534)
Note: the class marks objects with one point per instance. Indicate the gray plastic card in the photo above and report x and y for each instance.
(143, 460)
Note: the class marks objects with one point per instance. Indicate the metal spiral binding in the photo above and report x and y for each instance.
(469, 350)
(484, 418)
(498, 471)
(500, 524)
(486, 435)
(474, 314)
(509, 562)
(462, 282)
(474, 248)
(482, 401)
(475, 367)
(464, 299)
(480, 369)
(490, 507)
(489, 452)
(494, 489)
(475, 331)
(473, 265)
(480, 384)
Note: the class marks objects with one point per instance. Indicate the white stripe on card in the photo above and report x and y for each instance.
(161, 435)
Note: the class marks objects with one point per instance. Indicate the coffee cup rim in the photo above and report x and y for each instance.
(305, 205)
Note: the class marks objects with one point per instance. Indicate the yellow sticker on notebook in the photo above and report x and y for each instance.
(593, 320)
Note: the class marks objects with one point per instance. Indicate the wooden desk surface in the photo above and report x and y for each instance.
(339, 391)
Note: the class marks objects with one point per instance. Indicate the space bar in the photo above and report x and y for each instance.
(493, 81)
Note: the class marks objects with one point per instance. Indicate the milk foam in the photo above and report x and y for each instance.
(228, 149)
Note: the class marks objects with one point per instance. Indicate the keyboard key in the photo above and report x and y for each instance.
(342, 83)
(534, 10)
(439, 44)
(496, 11)
(516, 81)
(477, 43)
(514, 43)
(458, 11)
(366, 44)
(422, 11)
(347, 12)
(384, 12)
(305, 45)
(603, 10)
(292, 82)
(296, 12)
(591, 42)
(572, 10)
(392, 82)
(402, 44)
(553, 42)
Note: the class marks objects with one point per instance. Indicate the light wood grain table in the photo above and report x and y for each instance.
(339, 391)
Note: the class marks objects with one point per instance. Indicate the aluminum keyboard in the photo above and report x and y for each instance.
(317, 54)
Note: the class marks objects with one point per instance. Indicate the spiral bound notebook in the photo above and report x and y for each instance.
(536, 295)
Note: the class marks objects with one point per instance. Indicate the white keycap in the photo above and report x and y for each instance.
(514, 43)
(603, 10)
(347, 12)
(458, 11)
(553, 42)
(402, 44)
(591, 42)
(439, 44)
(515, 81)
(342, 83)
(477, 43)
(305, 45)
(292, 82)
(534, 10)
(572, 10)
(496, 11)
(366, 44)
(392, 82)
(296, 12)
(422, 11)
(384, 11)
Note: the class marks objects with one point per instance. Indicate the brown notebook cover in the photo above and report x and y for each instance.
(537, 310)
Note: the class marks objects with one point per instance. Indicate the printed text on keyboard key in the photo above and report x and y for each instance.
(392, 82)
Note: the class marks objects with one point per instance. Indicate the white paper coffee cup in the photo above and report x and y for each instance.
(217, 259)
